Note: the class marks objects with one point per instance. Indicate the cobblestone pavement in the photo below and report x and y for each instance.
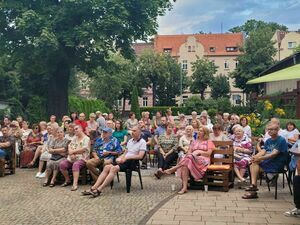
(24, 201)
(219, 208)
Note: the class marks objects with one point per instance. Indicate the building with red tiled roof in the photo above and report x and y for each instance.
(222, 49)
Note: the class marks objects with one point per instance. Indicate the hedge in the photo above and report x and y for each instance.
(86, 106)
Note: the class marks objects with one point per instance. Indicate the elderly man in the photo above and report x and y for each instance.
(106, 148)
(271, 159)
(5, 148)
(136, 148)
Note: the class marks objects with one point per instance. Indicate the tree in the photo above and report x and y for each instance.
(135, 107)
(253, 25)
(203, 72)
(296, 50)
(47, 39)
(258, 56)
(162, 73)
(220, 87)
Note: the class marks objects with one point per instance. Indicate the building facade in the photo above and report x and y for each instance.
(285, 42)
(222, 49)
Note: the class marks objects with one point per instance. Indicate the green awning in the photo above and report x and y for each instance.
(290, 73)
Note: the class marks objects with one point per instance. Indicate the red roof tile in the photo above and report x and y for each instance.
(218, 41)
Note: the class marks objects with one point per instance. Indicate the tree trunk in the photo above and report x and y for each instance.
(202, 95)
(123, 109)
(154, 93)
(57, 103)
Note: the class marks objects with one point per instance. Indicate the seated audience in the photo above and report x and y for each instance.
(131, 122)
(58, 149)
(272, 158)
(226, 122)
(185, 141)
(234, 119)
(281, 132)
(119, 133)
(196, 160)
(74, 116)
(105, 150)
(242, 152)
(246, 127)
(218, 134)
(91, 124)
(147, 136)
(78, 154)
(101, 121)
(34, 139)
(146, 119)
(170, 118)
(136, 148)
(157, 120)
(181, 125)
(25, 130)
(167, 151)
(196, 125)
(70, 132)
(292, 133)
(5, 148)
(53, 122)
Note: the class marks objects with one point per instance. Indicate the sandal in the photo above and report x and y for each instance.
(45, 184)
(74, 188)
(87, 192)
(158, 174)
(181, 192)
(250, 195)
(252, 188)
(95, 194)
(66, 184)
(52, 185)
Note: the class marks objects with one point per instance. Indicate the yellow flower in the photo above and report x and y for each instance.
(280, 111)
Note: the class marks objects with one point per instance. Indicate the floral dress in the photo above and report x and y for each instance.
(197, 164)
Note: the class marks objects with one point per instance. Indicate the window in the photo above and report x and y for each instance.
(168, 50)
(120, 102)
(237, 99)
(236, 64)
(189, 48)
(184, 64)
(226, 65)
(212, 49)
(231, 49)
(145, 101)
(184, 98)
(291, 44)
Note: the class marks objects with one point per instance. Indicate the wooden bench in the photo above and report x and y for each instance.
(221, 171)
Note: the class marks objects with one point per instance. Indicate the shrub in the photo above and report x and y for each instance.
(35, 109)
(87, 106)
(163, 109)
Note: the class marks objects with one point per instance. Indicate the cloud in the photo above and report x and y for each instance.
(192, 16)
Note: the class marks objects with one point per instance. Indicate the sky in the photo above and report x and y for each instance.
(193, 16)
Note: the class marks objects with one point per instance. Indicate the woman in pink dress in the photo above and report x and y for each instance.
(196, 160)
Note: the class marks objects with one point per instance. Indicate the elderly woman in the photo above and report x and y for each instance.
(78, 154)
(242, 152)
(146, 119)
(217, 134)
(196, 161)
(185, 141)
(91, 124)
(58, 149)
(181, 125)
(167, 153)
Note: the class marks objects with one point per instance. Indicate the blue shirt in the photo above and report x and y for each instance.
(160, 131)
(112, 145)
(280, 145)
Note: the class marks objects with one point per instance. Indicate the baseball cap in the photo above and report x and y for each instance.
(107, 129)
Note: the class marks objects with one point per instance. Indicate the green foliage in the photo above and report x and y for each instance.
(162, 73)
(195, 103)
(163, 110)
(258, 53)
(252, 25)
(220, 87)
(240, 110)
(135, 106)
(47, 39)
(202, 77)
(35, 109)
(87, 106)
(296, 50)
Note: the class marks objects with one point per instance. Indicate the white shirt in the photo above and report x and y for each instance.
(281, 133)
(247, 131)
(134, 147)
(291, 134)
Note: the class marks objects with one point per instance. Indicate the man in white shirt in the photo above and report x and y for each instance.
(136, 148)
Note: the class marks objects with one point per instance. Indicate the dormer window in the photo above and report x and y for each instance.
(231, 49)
(212, 49)
(168, 50)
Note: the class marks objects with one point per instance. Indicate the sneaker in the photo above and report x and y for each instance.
(42, 175)
(294, 212)
(38, 175)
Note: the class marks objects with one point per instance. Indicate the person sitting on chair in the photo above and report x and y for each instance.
(5, 148)
(136, 148)
(270, 159)
(106, 148)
